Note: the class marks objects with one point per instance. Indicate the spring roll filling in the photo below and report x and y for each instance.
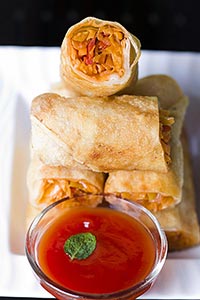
(98, 51)
(152, 201)
(165, 133)
(54, 189)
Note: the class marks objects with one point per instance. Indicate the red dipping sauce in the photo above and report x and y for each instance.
(124, 255)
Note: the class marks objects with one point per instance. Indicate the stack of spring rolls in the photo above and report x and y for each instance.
(101, 129)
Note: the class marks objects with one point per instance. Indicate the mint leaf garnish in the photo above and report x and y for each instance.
(80, 245)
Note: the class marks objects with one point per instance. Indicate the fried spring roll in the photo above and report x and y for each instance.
(101, 134)
(154, 190)
(47, 184)
(99, 58)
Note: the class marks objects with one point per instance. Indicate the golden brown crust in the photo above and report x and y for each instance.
(101, 134)
(145, 186)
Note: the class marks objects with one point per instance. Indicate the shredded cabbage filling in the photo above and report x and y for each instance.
(165, 133)
(152, 201)
(55, 189)
(98, 51)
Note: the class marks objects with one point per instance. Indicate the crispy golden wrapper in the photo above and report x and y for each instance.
(101, 134)
(99, 58)
(155, 190)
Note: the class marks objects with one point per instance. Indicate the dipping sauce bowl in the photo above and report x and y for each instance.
(128, 248)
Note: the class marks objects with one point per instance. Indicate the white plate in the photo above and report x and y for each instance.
(26, 72)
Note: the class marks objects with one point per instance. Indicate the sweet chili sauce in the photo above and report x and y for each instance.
(124, 253)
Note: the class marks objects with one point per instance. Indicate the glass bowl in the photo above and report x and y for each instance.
(42, 224)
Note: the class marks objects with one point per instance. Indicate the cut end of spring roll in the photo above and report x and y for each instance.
(154, 190)
(47, 184)
(99, 57)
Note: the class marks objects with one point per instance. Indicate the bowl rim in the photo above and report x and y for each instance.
(140, 286)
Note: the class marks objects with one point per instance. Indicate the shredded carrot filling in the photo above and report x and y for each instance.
(165, 133)
(54, 189)
(152, 201)
(98, 51)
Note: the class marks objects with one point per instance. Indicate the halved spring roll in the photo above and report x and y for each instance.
(99, 58)
(154, 190)
(101, 134)
(47, 184)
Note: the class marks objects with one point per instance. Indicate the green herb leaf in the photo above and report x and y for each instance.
(80, 245)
